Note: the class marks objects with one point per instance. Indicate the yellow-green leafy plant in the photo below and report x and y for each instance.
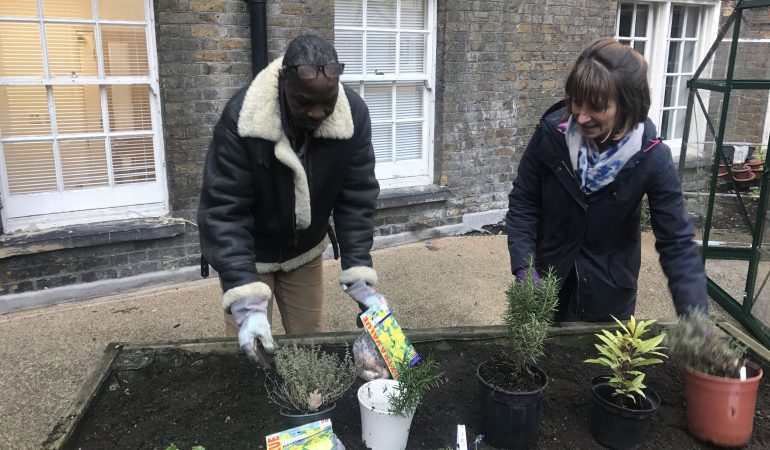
(623, 353)
(531, 305)
(412, 383)
(309, 378)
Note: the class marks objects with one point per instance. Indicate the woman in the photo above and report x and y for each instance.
(577, 201)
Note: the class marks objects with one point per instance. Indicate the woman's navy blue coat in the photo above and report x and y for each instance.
(598, 235)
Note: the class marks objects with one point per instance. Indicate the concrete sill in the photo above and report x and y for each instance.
(21, 243)
(395, 198)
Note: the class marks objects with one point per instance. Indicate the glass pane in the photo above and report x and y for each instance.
(24, 111)
(78, 109)
(80, 9)
(412, 53)
(122, 10)
(30, 167)
(133, 160)
(129, 107)
(683, 92)
(677, 21)
(688, 58)
(83, 163)
(673, 57)
(668, 97)
(381, 13)
(71, 50)
(639, 46)
(693, 17)
(18, 9)
(379, 99)
(380, 53)
(349, 45)
(382, 141)
(413, 14)
(626, 19)
(666, 125)
(408, 141)
(679, 123)
(348, 13)
(642, 13)
(125, 50)
(409, 100)
(21, 53)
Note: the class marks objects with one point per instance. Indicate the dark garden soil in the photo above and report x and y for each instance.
(218, 401)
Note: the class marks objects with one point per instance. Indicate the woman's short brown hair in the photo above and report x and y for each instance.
(608, 71)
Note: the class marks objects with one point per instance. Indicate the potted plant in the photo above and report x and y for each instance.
(623, 406)
(388, 406)
(511, 384)
(308, 382)
(742, 172)
(720, 383)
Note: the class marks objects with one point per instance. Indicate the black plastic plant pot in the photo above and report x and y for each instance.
(617, 427)
(294, 418)
(510, 419)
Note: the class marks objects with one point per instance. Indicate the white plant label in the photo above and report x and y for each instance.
(462, 440)
(743, 373)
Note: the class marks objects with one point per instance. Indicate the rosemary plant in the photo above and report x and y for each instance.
(529, 315)
(413, 382)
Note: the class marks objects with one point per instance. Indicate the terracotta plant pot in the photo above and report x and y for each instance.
(720, 409)
(742, 173)
(722, 173)
(755, 164)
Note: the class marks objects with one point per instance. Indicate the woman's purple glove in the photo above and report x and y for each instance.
(254, 337)
(521, 276)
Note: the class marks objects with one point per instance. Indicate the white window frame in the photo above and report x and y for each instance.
(417, 172)
(656, 54)
(88, 205)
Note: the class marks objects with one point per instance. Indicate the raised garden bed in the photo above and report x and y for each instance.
(207, 393)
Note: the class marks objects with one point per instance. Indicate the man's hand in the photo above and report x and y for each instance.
(365, 295)
(254, 337)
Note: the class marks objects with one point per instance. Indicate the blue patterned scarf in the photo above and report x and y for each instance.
(596, 169)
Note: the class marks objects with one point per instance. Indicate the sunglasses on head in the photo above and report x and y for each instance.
(310, 71)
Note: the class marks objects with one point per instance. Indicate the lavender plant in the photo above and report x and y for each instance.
(529, 314)
(696, 341)
(309, 378)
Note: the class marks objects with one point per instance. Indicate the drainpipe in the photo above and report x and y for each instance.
(258, 24)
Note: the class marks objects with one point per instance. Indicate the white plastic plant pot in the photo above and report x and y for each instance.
(380, 428)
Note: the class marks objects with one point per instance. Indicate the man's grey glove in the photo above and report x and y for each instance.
(365, 295)
(255, 338)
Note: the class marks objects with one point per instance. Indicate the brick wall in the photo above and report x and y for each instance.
(501, 64)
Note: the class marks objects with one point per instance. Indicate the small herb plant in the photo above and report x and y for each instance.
(412, 383)
(529, 315)
(309, 378)
(623, 353)
(696, 341)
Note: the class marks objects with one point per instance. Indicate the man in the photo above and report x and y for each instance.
(291, 149)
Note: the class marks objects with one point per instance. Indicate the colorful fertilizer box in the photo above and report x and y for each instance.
(312, 436)
(389, 338)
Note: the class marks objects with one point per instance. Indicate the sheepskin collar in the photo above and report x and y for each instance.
(260, 115)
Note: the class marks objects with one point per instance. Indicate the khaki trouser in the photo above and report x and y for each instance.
(299, 296)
